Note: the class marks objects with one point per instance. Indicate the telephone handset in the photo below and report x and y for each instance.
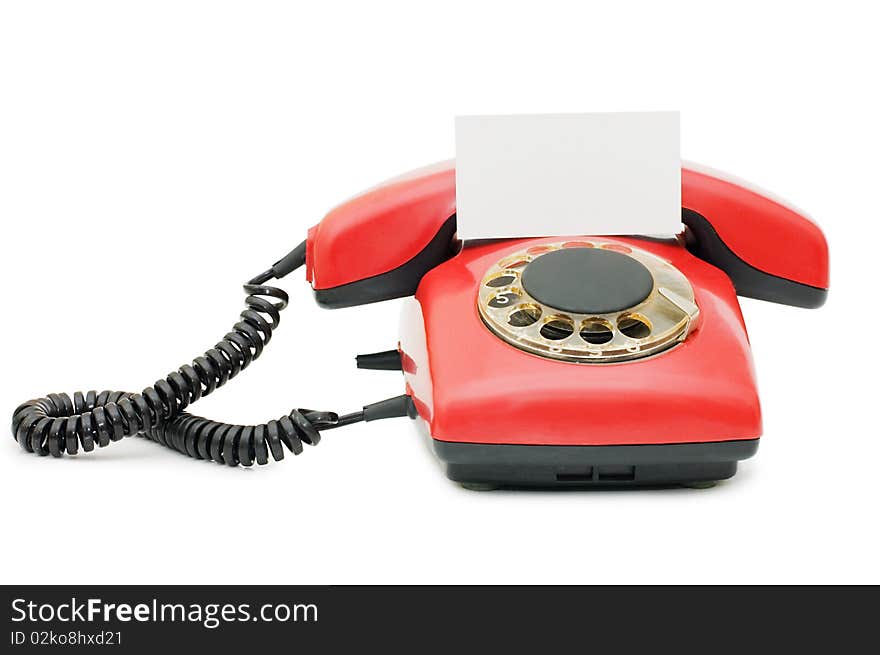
(378, 245)
(530, 362)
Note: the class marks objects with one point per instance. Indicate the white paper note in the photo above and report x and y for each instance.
(568, 174)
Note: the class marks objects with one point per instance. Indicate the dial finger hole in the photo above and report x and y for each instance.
(513, 262)
(635, 326)
(616, 247)
(524, 315)
(539, 250)
(501, 280)
(507, 299)
(557, 328)
(577, 244)
(596, 331)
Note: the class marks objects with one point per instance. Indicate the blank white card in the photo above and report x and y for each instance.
(568, 174)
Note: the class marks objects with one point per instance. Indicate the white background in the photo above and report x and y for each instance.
(154, 155)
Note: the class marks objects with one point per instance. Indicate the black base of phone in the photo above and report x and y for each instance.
(487, 466)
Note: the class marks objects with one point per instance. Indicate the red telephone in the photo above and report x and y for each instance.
(530, 362)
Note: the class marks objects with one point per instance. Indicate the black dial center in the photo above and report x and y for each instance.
(587, 280)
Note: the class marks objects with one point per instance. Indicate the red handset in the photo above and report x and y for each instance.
(379, 244)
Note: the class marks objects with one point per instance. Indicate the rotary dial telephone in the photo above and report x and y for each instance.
(529, 362)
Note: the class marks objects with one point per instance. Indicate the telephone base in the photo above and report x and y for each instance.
(486, 466)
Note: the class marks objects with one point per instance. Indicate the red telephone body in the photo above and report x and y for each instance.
(502, 415)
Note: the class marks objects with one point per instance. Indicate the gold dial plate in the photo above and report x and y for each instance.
(660, 321)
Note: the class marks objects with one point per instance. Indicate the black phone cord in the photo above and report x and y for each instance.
(56, 424)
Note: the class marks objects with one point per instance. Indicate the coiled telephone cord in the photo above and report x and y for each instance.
(56, 424)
